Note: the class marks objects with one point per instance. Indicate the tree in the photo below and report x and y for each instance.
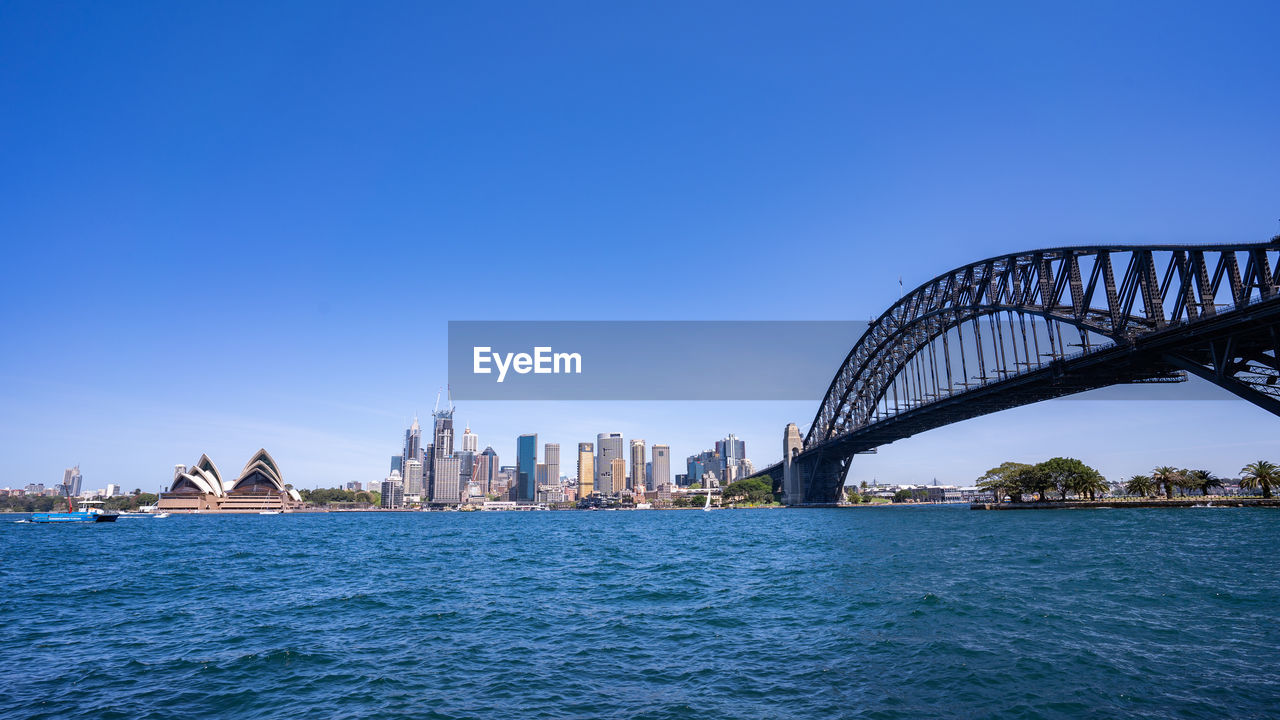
(1260, 474)
(1034, 479)
(755, 491)
(1141, 485)
(1202, 480)
(1070, 475)
(1003, 480)
(1165, 477)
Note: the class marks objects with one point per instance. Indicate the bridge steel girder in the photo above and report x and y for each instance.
(1175, 310)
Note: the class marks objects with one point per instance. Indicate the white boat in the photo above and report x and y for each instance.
(160, 515)
(268, 512)
(707, 507)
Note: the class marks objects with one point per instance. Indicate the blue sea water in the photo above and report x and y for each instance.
(859, 613)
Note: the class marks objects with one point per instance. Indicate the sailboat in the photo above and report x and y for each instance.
(265, 510)
(707, 507)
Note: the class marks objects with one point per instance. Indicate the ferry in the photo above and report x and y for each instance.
(92, 513)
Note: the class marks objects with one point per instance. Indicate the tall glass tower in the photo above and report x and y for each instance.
(527, 467)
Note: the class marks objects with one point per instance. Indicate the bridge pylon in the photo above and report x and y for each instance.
(814, 479)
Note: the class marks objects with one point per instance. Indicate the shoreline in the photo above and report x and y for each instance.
(1178, 503)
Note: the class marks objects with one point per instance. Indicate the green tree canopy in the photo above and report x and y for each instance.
(755, 491)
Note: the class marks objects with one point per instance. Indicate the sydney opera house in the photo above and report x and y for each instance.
(202, 488)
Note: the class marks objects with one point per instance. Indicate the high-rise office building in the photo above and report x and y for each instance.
(412, 444)
(586, 469)
(442, 436)
(541, 474)
(413, 477)
(551, 456)
(447, 489)
(608, 447)
(526, 467)
(637, 464)
(392, 492)
(397, 463)
(731, 449)
(485, 473)
(112, 489)
(71, 481)
(661, 467)
(617, 475)
(470, 442)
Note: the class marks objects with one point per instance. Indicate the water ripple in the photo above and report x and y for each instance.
(869, 613)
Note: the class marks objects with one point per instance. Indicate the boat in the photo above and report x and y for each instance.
(707, 507)
(92, 513)
(268, 512)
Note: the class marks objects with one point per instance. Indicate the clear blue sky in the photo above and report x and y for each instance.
(228, 225)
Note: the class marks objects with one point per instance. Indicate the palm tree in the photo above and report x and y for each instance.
(1261, 474)
(1165, 477)
(1141, 485)
(1202, 480)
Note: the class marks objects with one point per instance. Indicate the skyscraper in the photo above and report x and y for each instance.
(470, 442)
(441, 443)
(551, 456)
(586, 469)
(412, 444)
(391, 491)
(486, 470)
(447, 489)
(71, 481)
(608, 447)
(526, 467)
(661, 466)
(617, 475)
(637, 464)
(413, 477)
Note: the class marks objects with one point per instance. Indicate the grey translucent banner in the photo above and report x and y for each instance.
(646, 360)
(735, 360)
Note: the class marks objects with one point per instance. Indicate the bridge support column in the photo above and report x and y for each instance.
(814, 479)
(792, 485)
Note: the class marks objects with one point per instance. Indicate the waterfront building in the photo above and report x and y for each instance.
(470, 441)
(526, 467)
(447, 489)
(660, 468)
(392, 493)
(637, 464)
(608, 447)
(260, 486)
(586, 469)
(413, 477)
(617, 475)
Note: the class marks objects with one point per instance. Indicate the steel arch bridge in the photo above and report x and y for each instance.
(1021, 328)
